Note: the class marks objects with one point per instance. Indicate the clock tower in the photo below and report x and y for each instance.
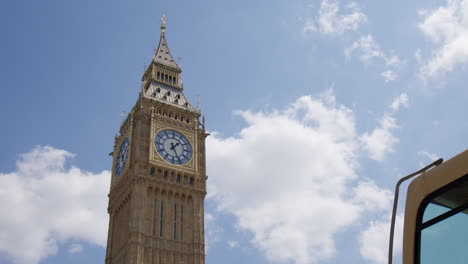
(158, 185)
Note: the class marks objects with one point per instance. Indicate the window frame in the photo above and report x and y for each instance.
(419, 189)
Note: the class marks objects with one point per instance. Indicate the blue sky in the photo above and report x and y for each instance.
(316, 108)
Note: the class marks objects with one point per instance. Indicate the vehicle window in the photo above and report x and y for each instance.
(442, 230)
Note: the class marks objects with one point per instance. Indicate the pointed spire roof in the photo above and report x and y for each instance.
(163, 54)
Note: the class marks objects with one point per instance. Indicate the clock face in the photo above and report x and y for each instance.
(173, 147)
(122, 157)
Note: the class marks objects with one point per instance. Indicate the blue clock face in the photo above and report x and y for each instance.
(122, 157)
(173, 147)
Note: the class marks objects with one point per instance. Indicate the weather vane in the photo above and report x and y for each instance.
(163, 22)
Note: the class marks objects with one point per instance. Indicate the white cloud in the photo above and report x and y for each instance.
(447, 27)
(213, 231)
(428, 155)
(368, 51)
(374, 240)
(331, 21)
(417, 56)
(75, 248)
(289, 170)
(389, 75)
(373, 198)
(233, 244)
(400, 101)
(382, 140)
(45, 204)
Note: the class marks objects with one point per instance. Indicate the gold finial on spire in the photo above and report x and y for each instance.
(163, 23)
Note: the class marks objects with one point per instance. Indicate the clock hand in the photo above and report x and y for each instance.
(173, 146)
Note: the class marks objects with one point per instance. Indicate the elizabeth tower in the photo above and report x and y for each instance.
(158, 185)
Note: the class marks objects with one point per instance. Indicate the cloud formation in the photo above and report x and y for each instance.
(400, 101)
(389, 75)
(286, 178)
(44, 204)
(75, 248)
(382, 140)
(447, 28)
(331, 21)
(368, 51)
(373, 240)
(213, 231)
(233, 244)
(428, 155)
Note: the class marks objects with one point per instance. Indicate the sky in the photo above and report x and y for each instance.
(315, 110)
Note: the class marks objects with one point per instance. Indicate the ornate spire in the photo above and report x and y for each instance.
(162, 80)
(163, 54)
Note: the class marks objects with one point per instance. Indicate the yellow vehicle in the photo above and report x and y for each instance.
(436, 214)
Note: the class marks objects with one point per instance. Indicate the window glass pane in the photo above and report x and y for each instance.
(434, 210)
(444, 225)
(445, 241)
